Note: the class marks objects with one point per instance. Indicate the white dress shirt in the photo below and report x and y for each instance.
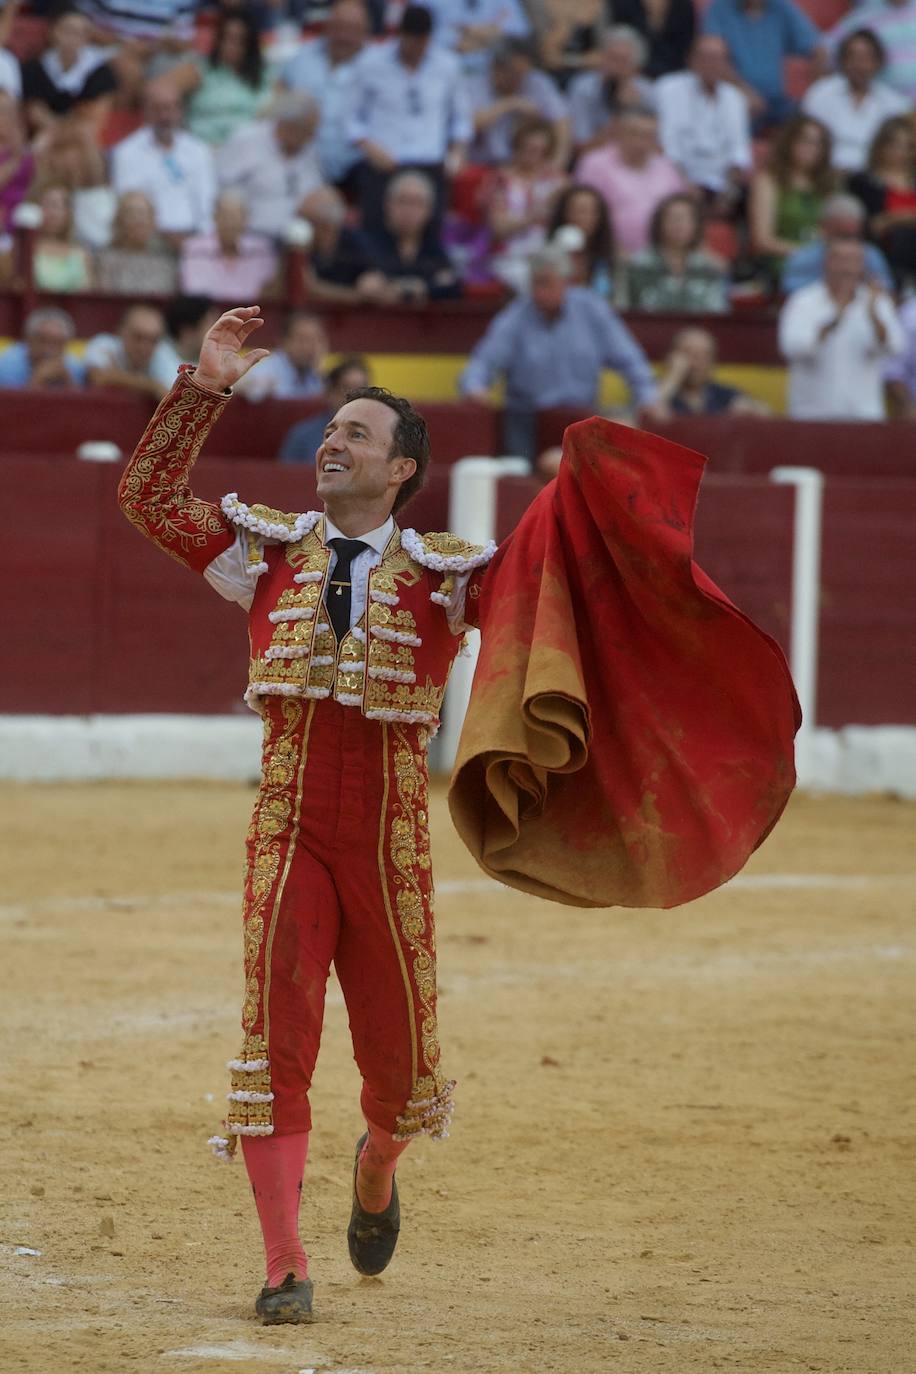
(228, 573)
(852, 123)
(180, 180)
(839, 377)
(252, 162)
(703, 133)
(414, 113)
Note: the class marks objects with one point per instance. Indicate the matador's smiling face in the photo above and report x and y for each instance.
(355, 464)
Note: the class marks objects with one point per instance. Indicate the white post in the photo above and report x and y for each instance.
(472, 515)
(806, 597)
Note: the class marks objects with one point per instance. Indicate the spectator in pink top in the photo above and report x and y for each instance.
(17, 166)
(229, 264)
(632, 176)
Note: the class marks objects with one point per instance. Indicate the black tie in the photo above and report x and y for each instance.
(338, 597)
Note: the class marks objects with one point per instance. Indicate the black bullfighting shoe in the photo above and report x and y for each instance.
(372, 1236)
(291, 1302)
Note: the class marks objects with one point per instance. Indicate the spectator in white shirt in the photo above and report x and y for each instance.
(273, 163)
(172, 167)
(293, 371)
(597, 97)
(410, 110)
(513, 90)
(837, 336)
(854, 102)
(704, 122)
(324, 67)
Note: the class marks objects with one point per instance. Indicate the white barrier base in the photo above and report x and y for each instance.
(855, 760)
(84, 748)
(859, 759)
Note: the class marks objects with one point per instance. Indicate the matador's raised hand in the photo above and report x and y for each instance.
(221, 362)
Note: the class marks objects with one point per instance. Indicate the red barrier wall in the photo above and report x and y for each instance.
(96, 619)
(55, 425)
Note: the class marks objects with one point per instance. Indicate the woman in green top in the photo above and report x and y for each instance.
(787, 196)
(229, 87)
(59, 262)
(674, 274)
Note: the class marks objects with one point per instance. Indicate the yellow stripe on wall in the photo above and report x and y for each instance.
(434, 377)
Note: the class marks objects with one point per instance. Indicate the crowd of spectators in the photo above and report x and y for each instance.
(575, 159)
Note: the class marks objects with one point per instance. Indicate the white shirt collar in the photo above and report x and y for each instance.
(376, 539)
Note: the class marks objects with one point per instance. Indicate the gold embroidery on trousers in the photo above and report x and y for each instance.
(269, 821)
(429, 1108)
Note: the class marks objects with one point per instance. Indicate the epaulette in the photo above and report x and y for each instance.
(446, 552)
(283, 526)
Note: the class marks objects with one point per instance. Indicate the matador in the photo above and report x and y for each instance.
(629, 742)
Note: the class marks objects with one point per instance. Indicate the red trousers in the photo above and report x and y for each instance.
(339, 869)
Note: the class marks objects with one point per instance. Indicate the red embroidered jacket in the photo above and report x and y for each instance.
(394, 665)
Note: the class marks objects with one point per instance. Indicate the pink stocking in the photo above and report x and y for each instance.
(275, 1165)
(377, 1163)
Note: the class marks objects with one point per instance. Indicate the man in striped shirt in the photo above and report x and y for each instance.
(144, 20)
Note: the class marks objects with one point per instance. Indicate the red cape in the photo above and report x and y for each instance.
(629, 740)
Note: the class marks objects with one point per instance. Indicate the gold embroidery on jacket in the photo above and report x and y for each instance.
(384, 654)
(382, 695)
(401, 621)
(277, 670)
(450, 545)
(155, 496)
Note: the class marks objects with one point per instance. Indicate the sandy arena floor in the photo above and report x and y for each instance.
(684, 1141)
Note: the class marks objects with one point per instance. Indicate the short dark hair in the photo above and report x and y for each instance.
(866, 36)
(64, 11)
(409, 440)
(416, 20)
(506, 49)
(335, 375)
(296, 317)
(185, 312)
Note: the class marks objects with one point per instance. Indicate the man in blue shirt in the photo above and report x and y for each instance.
(409, 109)
(325, 67)
(760, 35)
(41, 359)
(293, 371)
(303, 440)
(551, 346)
(843, 217)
